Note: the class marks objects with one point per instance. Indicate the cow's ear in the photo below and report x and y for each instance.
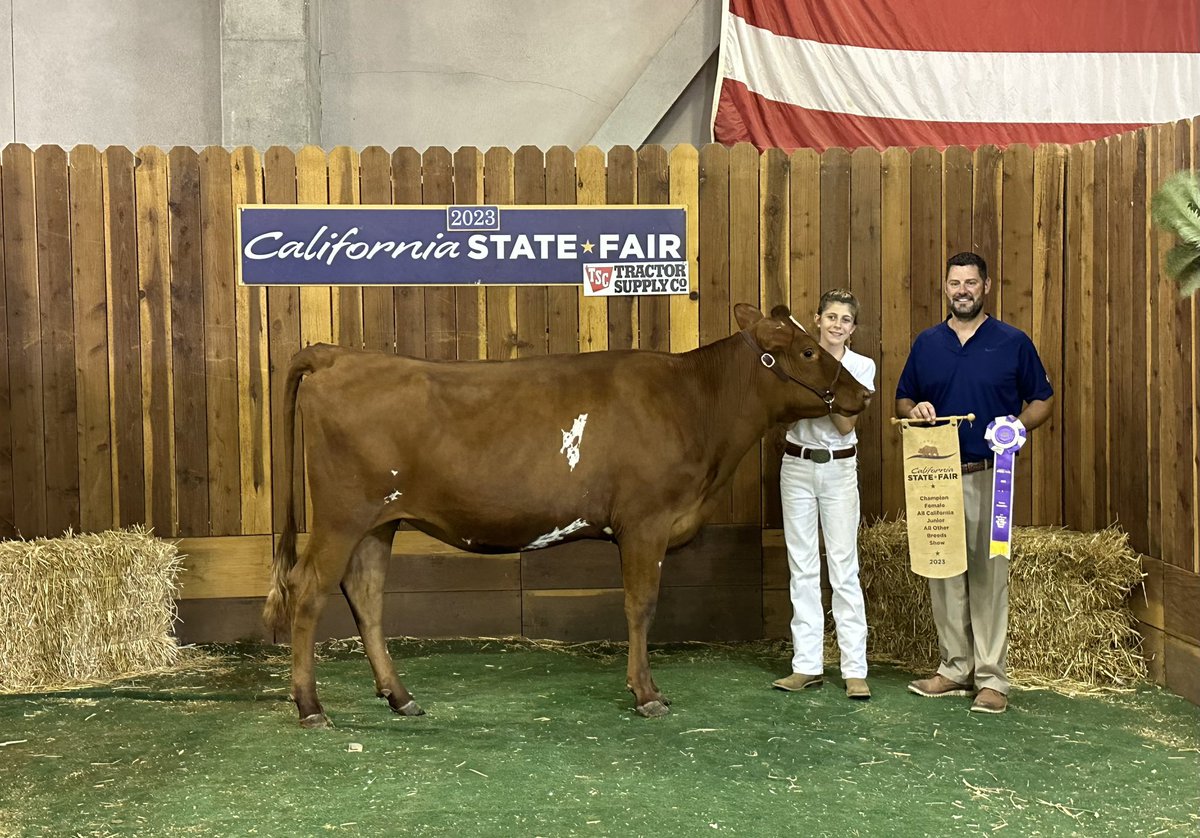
(746, 315)
(773, 336)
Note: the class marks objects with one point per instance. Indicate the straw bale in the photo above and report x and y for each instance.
(1069, 620)
(85, 609)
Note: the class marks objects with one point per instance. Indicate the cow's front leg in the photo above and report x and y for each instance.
(641, 570)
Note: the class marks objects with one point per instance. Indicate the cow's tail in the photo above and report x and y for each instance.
(277, 612)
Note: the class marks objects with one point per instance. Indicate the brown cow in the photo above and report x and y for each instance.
(500, 456)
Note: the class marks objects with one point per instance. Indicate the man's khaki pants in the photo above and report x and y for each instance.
(971, 609)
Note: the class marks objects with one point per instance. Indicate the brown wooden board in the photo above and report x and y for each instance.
(805, 234)
(925, 243)
(895, 314)
(592, 175)
(283, 315)
(347, 300)
(90, 303)
(987, 187)
(684, 613)
(958, 189)
(1146, 599)
(1049, 318)
(685, 193)
(8, 528)
(1100, 347)
(220, 343)
(529, 182)
(744, 288)
(562, 301)
(409, 300)
(654, 310)
(23, 311)
(1139, 437)
(1077, 396)
(498, 186)
(379, 313)
(125, 336)
(1181, 603)
(1181, 545)
(866, 282)
(1182, 664)
(713, 281)
(316, 302)
(1128, 339)
(774, 249)
(835, 219)
(1193, 462)
(221, 621)
(188, 378)
(470, 302)
(57, 339)
(437, 188)
(430, 614)
(154, 279)
(229, 567)
(622, 189)
(1017, 294)
(253, 370)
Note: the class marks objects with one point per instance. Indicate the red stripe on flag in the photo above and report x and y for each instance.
(974, 26)
(743, 116)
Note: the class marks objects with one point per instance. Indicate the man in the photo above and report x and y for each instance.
(973, 363)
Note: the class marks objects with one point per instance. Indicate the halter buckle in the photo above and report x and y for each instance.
(768, 360)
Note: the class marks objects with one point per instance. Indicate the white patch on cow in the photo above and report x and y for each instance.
(393, 496)
(608, 530)
(466, 541)
(556, 534)
(572, 439)
(394, 472)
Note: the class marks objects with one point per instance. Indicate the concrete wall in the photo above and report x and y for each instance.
(351, 72)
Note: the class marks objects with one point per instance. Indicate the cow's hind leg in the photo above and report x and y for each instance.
(324, 561)
(641, 570)
(363, 586)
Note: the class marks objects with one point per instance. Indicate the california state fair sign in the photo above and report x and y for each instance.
(611, 250)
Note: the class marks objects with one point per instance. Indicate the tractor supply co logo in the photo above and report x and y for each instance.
(622, 280)
(611, 250)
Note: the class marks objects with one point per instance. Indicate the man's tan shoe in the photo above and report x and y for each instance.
(990, 701)
(857, 688)
(939, 686)
(799, 681)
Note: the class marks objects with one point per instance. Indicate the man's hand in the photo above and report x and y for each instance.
(917, 411)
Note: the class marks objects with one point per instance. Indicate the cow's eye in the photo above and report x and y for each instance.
(808, 353)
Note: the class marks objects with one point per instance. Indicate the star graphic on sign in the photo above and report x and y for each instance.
(587, 247)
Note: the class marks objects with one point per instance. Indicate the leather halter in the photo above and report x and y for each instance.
(770, 362)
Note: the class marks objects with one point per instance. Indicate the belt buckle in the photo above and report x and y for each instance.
(820, 455)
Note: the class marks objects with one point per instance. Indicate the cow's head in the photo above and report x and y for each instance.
(811, 381)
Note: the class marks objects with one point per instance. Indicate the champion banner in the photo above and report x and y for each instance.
(937, 535)
(851, 73)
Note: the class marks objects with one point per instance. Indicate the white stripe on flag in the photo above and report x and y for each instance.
(964, 87)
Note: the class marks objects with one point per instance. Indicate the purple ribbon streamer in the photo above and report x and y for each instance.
(1005, 435)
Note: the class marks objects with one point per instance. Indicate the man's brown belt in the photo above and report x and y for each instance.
(979, 465)
(817, 455)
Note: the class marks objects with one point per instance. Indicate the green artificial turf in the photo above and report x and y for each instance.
(528, 741)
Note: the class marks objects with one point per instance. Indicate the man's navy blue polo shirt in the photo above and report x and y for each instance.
(992, 374)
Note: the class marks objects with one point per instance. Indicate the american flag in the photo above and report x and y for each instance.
(851, 73)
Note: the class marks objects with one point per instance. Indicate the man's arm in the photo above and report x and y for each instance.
(1036, 413)
(908, 409)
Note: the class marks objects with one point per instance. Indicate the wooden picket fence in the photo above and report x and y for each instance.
(140, 382)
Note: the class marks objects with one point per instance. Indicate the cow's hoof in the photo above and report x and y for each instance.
(410, 709)
(653, 709)
(316, 721)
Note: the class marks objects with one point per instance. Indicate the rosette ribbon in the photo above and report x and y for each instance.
(1005, 436)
